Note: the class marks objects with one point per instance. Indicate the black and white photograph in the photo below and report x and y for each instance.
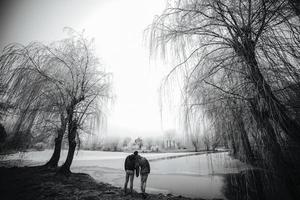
(149, 99)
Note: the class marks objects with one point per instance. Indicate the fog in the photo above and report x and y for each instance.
(119, 31)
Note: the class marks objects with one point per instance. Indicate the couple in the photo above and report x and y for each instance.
(135, 162)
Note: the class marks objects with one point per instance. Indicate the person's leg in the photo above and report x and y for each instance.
(145, 177)
(126, 182)
(144, 186)
(142, 183)
(131, 182)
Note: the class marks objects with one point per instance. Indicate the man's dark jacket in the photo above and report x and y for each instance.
(130, 162)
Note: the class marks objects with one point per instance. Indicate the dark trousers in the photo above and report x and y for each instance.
(129, 176)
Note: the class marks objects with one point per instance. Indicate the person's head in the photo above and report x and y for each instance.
(136, 153)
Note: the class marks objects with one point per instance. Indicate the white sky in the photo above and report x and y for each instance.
(117, 26)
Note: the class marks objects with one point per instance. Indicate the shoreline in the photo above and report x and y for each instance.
(23, 165)
(30, 183)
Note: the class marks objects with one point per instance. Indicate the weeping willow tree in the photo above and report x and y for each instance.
(87, 88)
(241, 65)
(22, 90)
(63, 86)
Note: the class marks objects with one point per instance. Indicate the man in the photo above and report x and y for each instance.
(145, 170)
(131, 165)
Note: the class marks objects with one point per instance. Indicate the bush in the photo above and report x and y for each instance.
(20, 141)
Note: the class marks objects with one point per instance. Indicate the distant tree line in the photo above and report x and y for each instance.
(167, 142)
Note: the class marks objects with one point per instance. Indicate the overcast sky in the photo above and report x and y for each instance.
(118, 28)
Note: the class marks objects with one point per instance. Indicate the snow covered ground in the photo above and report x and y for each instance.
(198, 176)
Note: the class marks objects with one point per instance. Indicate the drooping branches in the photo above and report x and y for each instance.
(241, 64)
(59, 87)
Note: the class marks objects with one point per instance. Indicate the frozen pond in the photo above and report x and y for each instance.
(199, 176)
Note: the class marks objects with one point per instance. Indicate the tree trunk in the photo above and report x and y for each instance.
(273, 156)
(65, 168)
(270, 143)
(245, 142)
(278, 112)
(237, 114)
(72, 131)
(19, 123)
(232, 141)
(195, 146)
(53, 162)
